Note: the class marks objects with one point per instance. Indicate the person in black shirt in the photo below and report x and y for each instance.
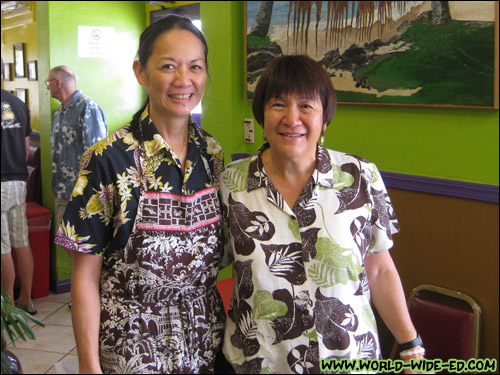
(15, 133)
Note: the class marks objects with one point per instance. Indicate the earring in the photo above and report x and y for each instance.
(322, 139)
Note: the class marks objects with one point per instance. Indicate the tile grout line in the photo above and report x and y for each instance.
(44, 320)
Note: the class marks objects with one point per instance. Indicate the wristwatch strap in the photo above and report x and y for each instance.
(411, 344)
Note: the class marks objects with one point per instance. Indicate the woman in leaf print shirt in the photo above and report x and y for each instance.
(309, 229)
(144, 224)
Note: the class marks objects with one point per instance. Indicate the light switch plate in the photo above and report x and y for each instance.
(249, 131)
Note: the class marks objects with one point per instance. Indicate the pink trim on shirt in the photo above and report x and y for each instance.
(173, 228)
(184, 198)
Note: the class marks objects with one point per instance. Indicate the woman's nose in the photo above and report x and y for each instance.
(292, 116)
(182, 77)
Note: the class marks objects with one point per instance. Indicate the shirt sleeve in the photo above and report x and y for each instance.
(28, 122)
(88, 223)
(94, 124)
(384, 222)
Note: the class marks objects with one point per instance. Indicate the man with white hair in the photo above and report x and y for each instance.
(77, 124)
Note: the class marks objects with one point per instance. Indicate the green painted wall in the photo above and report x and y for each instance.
(450, 143)
(110, 81)
(457, 144)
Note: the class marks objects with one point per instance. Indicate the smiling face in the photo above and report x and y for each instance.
(293, 125)
(174, 75)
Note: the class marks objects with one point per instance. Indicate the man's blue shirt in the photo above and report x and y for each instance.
(75, 127)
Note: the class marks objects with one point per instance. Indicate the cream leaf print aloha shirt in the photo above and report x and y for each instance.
(301, 292)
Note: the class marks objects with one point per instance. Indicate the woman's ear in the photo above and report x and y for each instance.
(140, 73)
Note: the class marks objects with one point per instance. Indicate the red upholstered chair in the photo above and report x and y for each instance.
(226, 290)
(448, 322)
(38, 222)
(39, 236)
(34, 183)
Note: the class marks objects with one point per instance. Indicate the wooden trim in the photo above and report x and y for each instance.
(439, 186)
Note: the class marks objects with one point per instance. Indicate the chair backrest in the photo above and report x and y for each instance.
(34, 182)
(226, 291)
(448, 322)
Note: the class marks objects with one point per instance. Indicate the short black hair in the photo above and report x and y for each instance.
(294, 73)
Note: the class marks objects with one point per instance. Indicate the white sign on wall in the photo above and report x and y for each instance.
(95, 41)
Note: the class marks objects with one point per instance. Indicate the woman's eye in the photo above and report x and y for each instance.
(168, 66)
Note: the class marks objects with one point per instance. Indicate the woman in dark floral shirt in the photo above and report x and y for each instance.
(144, 224)
(309, 229)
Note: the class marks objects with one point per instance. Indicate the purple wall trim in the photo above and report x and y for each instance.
(60, 286)
(452, 188)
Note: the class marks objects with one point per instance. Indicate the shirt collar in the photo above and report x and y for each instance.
(74, 99)
(154, 142)
(322, 175)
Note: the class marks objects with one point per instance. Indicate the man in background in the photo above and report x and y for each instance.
(77, 124)
(15, 132)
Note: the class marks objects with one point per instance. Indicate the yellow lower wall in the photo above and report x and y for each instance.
(27, 34)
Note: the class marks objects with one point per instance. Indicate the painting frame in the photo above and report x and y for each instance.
(32, 70)
(22, 94)
(7, 72)
(19, 61)
(371, 83)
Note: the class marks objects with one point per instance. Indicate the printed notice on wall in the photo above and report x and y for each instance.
(95, 41)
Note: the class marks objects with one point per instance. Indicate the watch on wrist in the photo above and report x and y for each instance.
(411, 344)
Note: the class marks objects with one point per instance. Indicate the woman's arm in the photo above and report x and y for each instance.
(389, 299)
(86, 310)
(388, 296)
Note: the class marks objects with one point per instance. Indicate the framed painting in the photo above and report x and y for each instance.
(7, 71)
(19, 62)
(23, 95)
(423, 53)
(32, 70)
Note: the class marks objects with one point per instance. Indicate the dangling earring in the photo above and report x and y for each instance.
(322, 139)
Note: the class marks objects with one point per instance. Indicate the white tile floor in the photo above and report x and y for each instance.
(53, 343)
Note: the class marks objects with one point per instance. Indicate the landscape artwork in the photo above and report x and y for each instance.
(427, 53)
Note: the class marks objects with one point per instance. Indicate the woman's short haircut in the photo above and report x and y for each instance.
(296, 73)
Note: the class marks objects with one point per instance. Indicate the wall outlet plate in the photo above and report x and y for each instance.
(248, 130)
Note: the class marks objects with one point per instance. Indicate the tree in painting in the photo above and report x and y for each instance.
(382, 51)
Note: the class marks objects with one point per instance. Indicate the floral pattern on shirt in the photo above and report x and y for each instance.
(105, 197)
(159, 230)
(301, 292)
(75, 127)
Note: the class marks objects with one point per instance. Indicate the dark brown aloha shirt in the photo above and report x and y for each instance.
(159, 233)
(301, 292)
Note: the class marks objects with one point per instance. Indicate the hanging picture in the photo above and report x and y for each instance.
(19, 62)
(7, 71)
(427, 53)
(32, 70)
(23, 95)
